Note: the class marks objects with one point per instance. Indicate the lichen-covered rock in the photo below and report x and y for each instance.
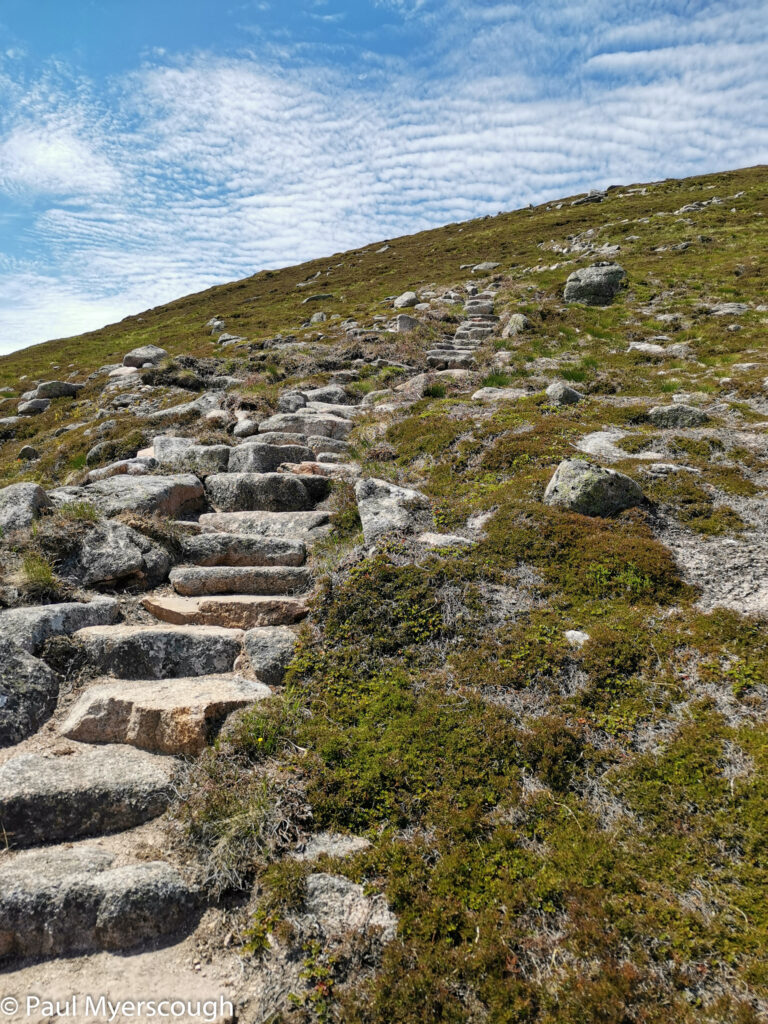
(560, 394)
(241, 549)
(265, 458)
(28, 693)
(596, 286)
(113, 554)
(516, 324)
(182, 455)
(406, 300)
(20, 505)
(676, 416)
(159, 652)
(591, 490)
(386, 508)
(269, 651)
(29, 628)
(258, 492)
(145, 354)
(170, 496)
(269, 580)
(63, 901)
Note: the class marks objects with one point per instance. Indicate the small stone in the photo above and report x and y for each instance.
(516, 324)
(406, 300)
(405, 323)
(28, 453)
(676, 416)
(560, 394)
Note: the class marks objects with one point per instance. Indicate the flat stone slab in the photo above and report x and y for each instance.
(237, 611)
(29, 628)
(265, 458)
(92, 791)
(62, 901)
(160, 652)
(260, 492)
(242, 549)
(167, 495)
(170, 716)
(308, 422)
(302, 526)
(267, 580)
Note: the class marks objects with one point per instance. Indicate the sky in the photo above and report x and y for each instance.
(153, 148)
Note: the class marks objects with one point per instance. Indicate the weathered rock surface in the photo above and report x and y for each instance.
(269, 580)
(591, 490)
(265, 458)
(29, 628)
(63, 901)
(306, 421)
(259, 492)
(28, 693)
(145, 354)
(596, 286)
(406, 300)
(560, 394)
(33, 407)
(242, 549)
(516, 324)
(91, 791)
(159, 652)
(306, 527)
(677, 416)
(57, 389)
(181, 455)
(385, 508)
(20, 505)
(177, 716)
(171, 496)
(238, 611)
(269, 651)
(112, 554)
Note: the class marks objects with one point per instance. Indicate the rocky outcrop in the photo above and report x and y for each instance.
(31, 627)
(20, 504)
(28, 693)
(385, 508)
(171, 496)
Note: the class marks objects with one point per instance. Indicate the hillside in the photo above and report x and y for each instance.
(383, 657)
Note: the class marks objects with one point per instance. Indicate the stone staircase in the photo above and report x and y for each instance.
(163, 690)
(480, 324)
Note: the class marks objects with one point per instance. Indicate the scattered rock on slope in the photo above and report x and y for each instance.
(591, 490)
(20, 505)
(676, 416)
(596, 286)
(386, 508)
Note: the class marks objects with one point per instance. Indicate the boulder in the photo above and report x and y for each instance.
(560, 394)
(676, 416)
(265, 458)
(308, 422)
(143, 355)
(30, 627)
(386, 508)
(290, 401)
(200, 406)
(20, 505)
(332, 393)
(28, 692)
(182, 455)
(250, 492)
(70, 900)
(178, 716)
(113, 554)
(596, 286)
(33, 407)
(485, 268)
(591, 490)
(57, 389)
(170, 496)
(270, 651)
(516, 324)
(406, 300)
(89, 791)
(268, 580)
(241, 549)
(28, 453)
(159, 652)
(405, 323)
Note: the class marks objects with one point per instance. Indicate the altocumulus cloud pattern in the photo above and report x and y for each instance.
(289, 137)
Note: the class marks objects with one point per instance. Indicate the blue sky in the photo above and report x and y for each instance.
(152, 149)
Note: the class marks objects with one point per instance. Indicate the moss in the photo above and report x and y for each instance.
(693, 505)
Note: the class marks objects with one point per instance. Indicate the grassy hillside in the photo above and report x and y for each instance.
(567, 834)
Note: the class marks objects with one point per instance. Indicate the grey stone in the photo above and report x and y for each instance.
(591, 490)
(143, 355)
(516, 324)
(333, 394)
(330, 844)
(112, 553)
(245, 428)
(143, 466)
(20, 505)
(182, 455)
(33, 407)
(268, 580)
(484, 268)
(596, 286)
(280, 437)
(290, 401)
(308, 422)
(200, 406)
(57, 389)
(159, 652)
(269, 651)
(262, 492)
(405, 323)
(306, 527)
(242, 549)
(93, 790)
(318, 318)
(28, 453)
(677, 416)
(560, 393)
(170, 496)
(28, 693)
(386, 508)
(406, 300)
(65, 901)
(30, 627)
(266, 458)
(498, 395)
(327, 444)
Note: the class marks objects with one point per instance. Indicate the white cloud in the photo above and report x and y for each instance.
(49, 159)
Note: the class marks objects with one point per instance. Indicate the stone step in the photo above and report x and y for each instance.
(159, 652)
(242, 549)
(68, 900)
(308, 422)
(264, 492)
(46, 798)
(457, 362)
(169, 716)
(265, 458)
(31, 627)
(237, 611)
(306, 527)
(270, 580)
